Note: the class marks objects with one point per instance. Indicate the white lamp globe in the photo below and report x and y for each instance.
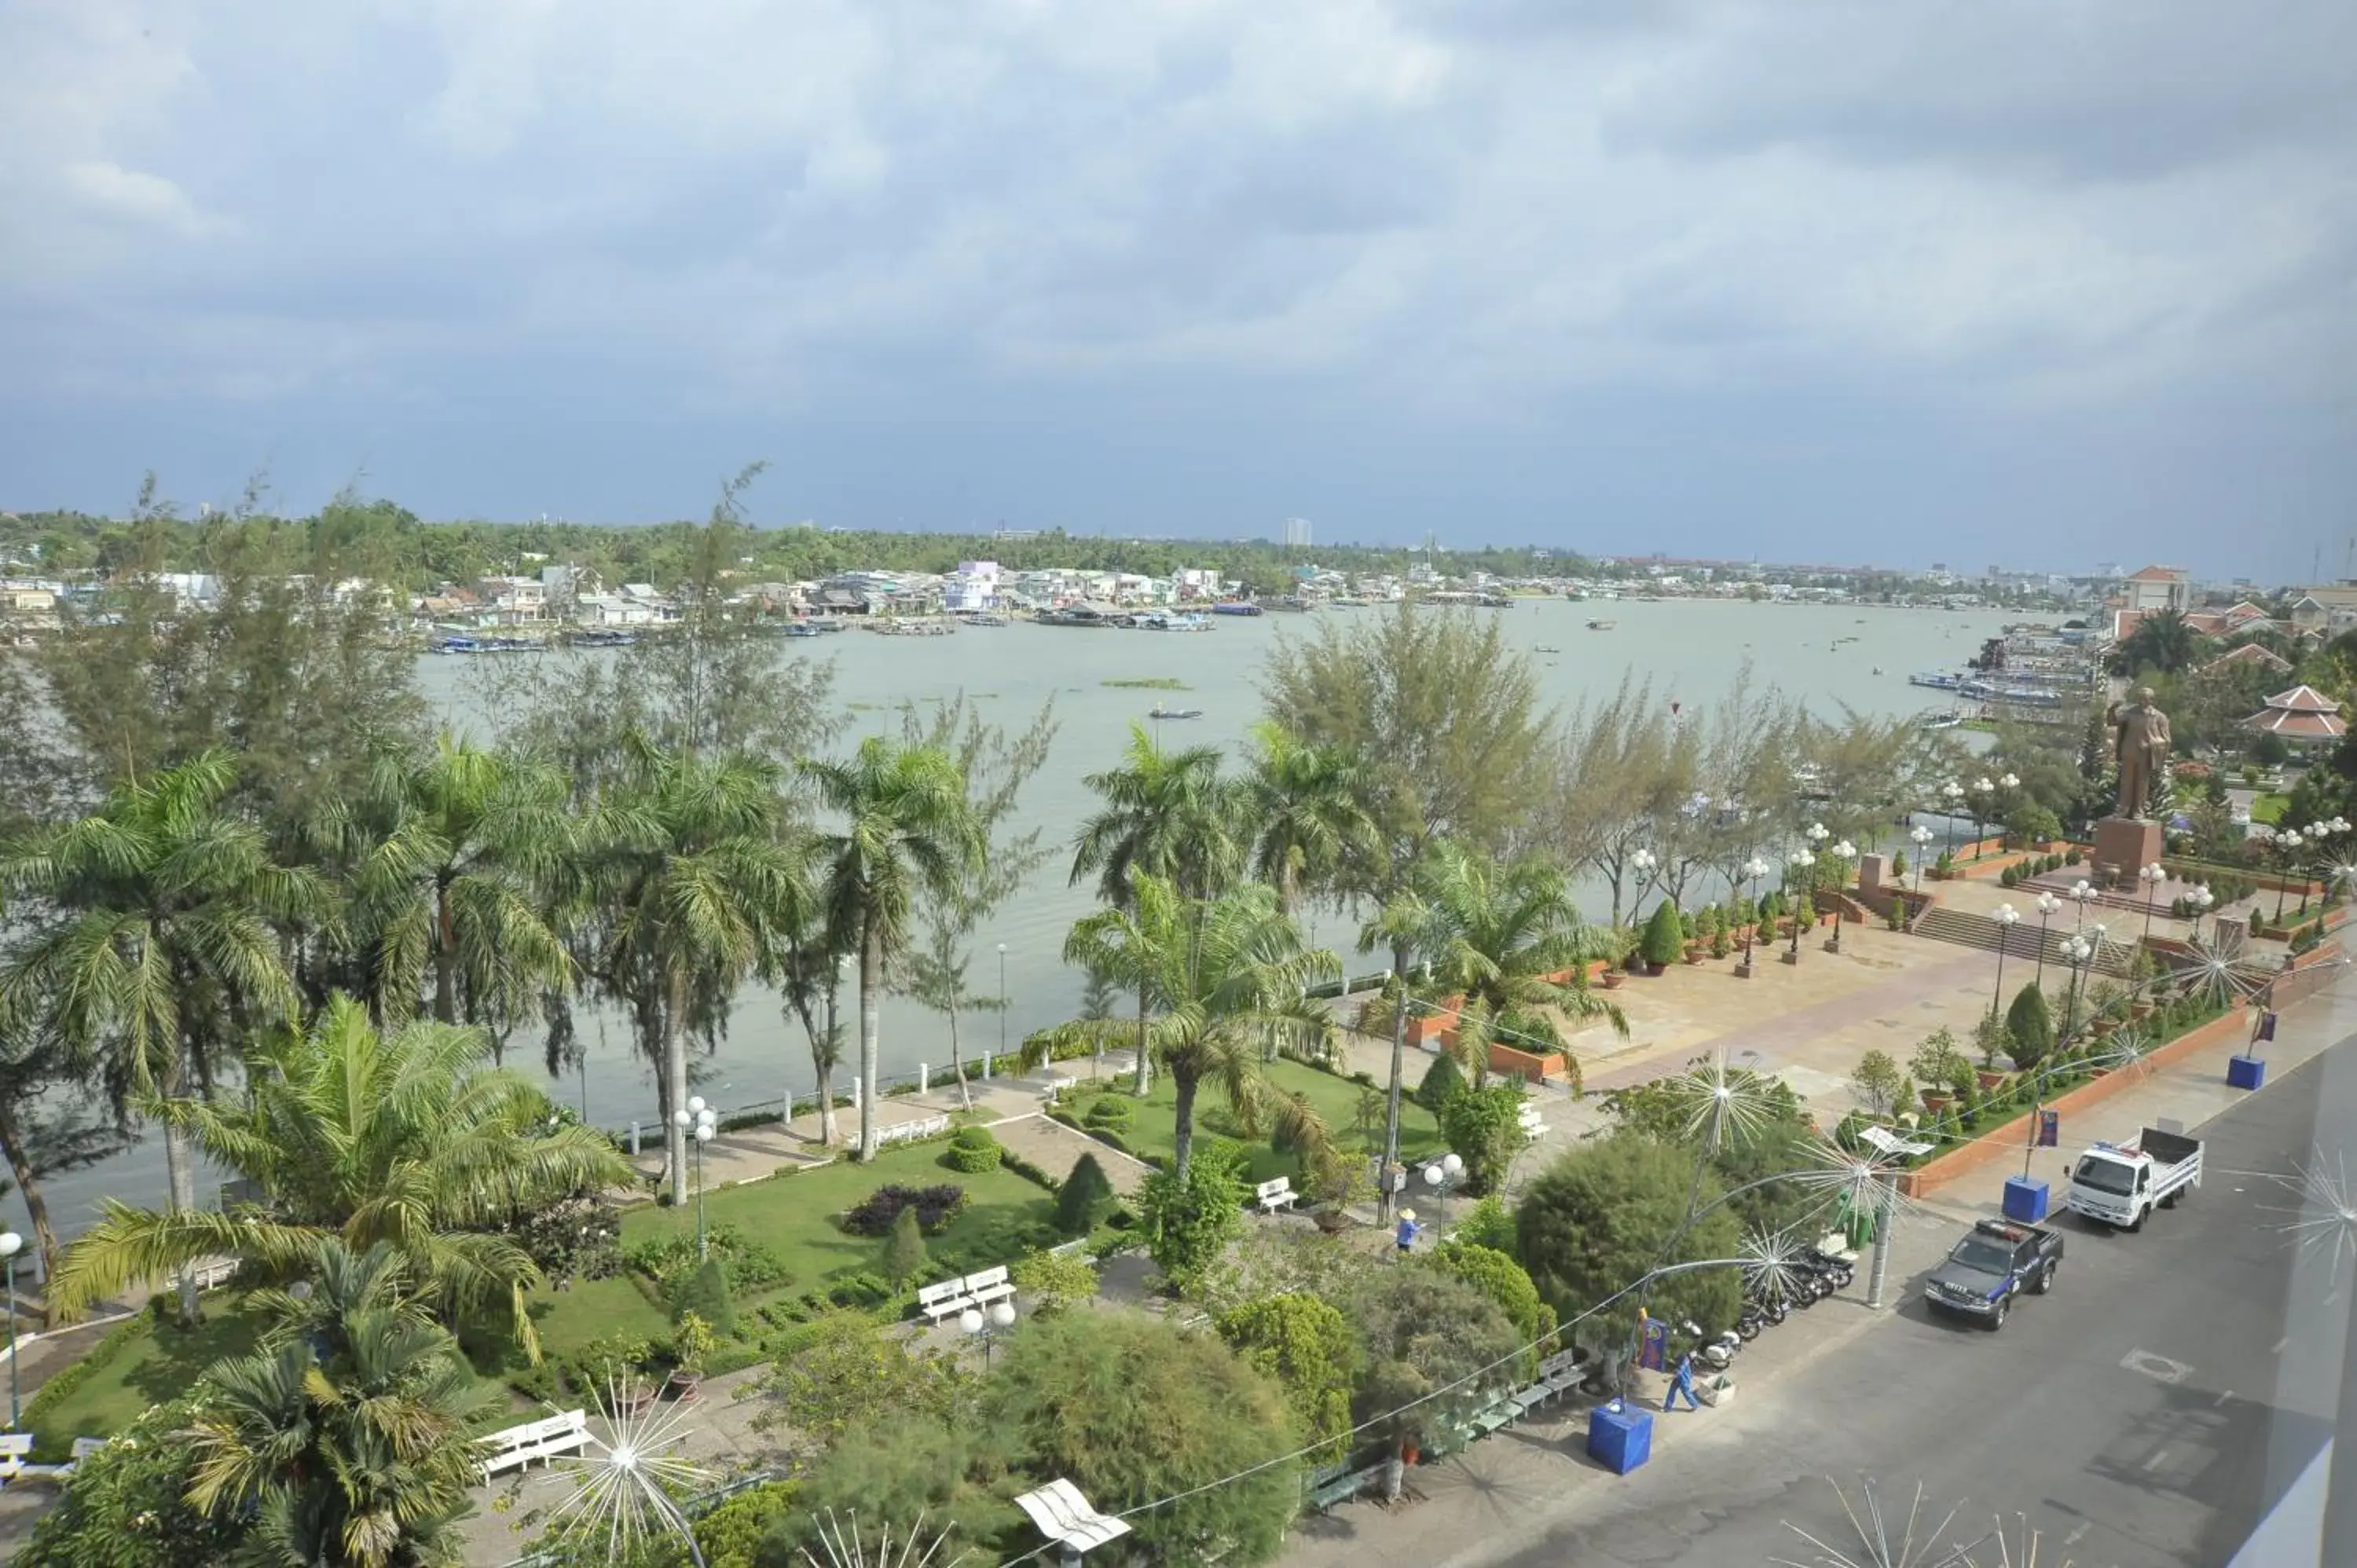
(695, 1104)
(10, 1243)
(681, 1118)
(1432, 1176)
(1453, 1165)
(1002, 1314)
(970, 1320)
(704, 1132)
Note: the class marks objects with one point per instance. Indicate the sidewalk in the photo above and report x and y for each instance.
(1505, 1494)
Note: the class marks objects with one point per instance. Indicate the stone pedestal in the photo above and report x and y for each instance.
(2123, 845)
(1871, 870)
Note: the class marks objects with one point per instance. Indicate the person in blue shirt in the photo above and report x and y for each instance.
(1681, 1382)
(1408, 1231)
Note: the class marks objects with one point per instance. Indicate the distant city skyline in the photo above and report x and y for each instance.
(1833, 280)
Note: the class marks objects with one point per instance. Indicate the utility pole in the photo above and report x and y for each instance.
(1879, 1270)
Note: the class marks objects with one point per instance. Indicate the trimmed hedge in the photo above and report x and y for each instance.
(935, 1206)
(973, 1150)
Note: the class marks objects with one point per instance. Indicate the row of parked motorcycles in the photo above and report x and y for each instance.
(1816, 1274)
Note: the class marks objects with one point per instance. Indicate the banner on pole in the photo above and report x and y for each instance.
(1652, 1340)
(2050, 1129)
(2266, 1030)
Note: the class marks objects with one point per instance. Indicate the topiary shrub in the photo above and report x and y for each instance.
(1666, 939)
(1086, 1197)
(935, 1206)
(2030, 1028)
(904, 1249)
(1441, 1080)
(705, 1294)
(973, 1150)
(1110, 1113)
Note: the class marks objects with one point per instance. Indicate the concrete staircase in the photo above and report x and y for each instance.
(1967, 929)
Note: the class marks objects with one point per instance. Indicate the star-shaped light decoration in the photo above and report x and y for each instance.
(2128, 1050)
(1884, 1541)
(1853, 1184)
(1723, 1105)
(2219, 976)
(2326, 1220)
(2016, 1548)
(845, 1547)
(1770, 1262)
(622, 1488)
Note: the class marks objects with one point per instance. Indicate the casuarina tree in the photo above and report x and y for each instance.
(1665, 935)
(2031, 1027)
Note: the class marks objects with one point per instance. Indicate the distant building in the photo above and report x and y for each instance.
(1296, 533)
(2303, 715)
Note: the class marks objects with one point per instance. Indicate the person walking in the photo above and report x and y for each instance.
(1681, 1382)
(1408, 1231)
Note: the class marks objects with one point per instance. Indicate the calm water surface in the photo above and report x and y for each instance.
(1691, 649)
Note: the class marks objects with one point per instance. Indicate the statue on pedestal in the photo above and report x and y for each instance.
(2141, 744)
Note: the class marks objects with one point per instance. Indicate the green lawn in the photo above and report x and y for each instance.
(1156, 1130)
(153, 1367)
(2269, 808)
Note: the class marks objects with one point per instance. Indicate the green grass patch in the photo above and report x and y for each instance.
(1155, 1130)
(1150, 683)
(2269, 808)
(145, 1368)
(794, 1216)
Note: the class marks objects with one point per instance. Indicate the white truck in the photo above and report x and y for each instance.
(2120, 1183)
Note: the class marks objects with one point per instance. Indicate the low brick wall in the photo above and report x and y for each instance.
(2311, 973)
(2009, 1138)
(1530, 1064)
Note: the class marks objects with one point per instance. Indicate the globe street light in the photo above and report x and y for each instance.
(2006, 916)
(10, 1245)
(2287, 844)
(1951, 795)
(2047, 905)
(1753, 870)
(1843, 853)
(2075, 952)
(2152, 876)
(1984, 801)
(699, 1121)
(986, 1323)
(1800, 860)
(2081, 893)
(1919, 836)
(1641, 861)
(1441, 1175)
(2198, 901)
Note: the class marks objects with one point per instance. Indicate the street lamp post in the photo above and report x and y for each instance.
(1641, 861)
(10, 1245)
(1951, 795)
(1002, 1008)
(2047, 905)
(1843, 853)
(1753, 870)
(1800, 860)
(2199, 900)
(2152, 876)
(2007, 917)
(699, 1121)
(2287, 844)
(2082, 893)
(1984, 794)
(1441, 1175)
(985, 1323)
(2075, 952)
(1920, 837)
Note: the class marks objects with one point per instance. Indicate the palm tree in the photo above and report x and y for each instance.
(1166, 815)
(410, 1141)
(1227, 974)
(906, 827)
(696, 884)
(1305, 812)
(346, 1437)
(159, 944)
(2161, 641)
(452, 859)
(1499, 935)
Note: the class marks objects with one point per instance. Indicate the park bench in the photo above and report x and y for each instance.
(1533, 1126)
(1057, 1086)
(1274, 1194)
(518, 1446)
(15, 1448)
(991, 1285)
(943, 1300)
(1339, 1486)
(1557, 1374)
(83, 1447)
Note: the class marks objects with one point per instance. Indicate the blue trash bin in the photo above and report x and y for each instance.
(2245, 1072)
(1622, 1439)
(2025, 1200)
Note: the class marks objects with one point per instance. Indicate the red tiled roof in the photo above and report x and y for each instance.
(2158, 574)
(2207, 622)
(2249, 653)
(2302, 713)
(2304, 699)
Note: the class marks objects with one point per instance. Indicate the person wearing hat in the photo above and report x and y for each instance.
(1408, 1231)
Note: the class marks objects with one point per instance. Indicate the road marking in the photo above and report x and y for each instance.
(2072, 1539)
(2277, 1348)
(2157, 1455)
(2161, 1369)
(2224, 1397)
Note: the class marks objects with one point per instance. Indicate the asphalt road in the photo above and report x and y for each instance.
(2147, 1415)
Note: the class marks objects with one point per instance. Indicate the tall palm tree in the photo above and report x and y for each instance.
(905, 827)
(1305, 807)
(156, 942)
(1228, 975)
(410, 1141)
(2162, 641)
(345, 1437)
(453, 859)
(698, 879)
(1499, 935)
(1167, 814)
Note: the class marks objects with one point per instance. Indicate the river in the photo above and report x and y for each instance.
(1690, 648)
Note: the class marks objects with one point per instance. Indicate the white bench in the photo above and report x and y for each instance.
(15, 1447)
(937, 1302)
(902, 1132)
(1533, 1124)
(83, 1447)
(1274, 1194)
(991, 1285)
(518, 1446)
(1057, 1086)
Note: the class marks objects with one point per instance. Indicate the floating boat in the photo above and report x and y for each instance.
(1542, 648)
(983, 617)
(1938, 679)
(1235, 608)
(1159, 711)
(803, 628)
(1600, 626)
(604, 639)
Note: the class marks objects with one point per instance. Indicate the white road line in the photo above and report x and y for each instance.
(2277, 1348)
(2158, 1455)
(2225, 1396)
(2082, 1529)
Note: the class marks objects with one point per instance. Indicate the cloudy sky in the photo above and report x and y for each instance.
(2045, 282)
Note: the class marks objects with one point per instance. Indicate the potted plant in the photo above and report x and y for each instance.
(691, 1350)
(1665, 939)
(1721, 944)
(616, 1361)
